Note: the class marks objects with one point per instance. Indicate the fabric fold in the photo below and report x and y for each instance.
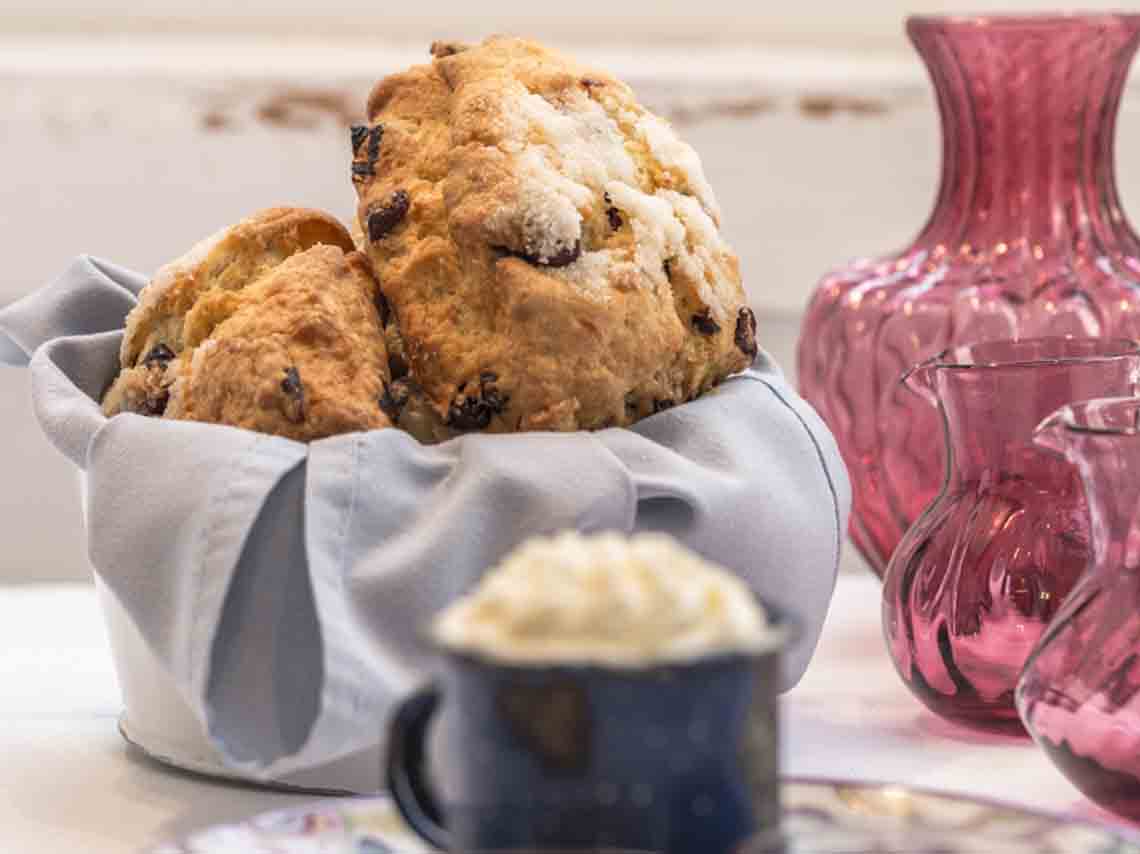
(168, 518)
(286, 587)
(90, 296)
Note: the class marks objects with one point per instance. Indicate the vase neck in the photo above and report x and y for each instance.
(1028, 110)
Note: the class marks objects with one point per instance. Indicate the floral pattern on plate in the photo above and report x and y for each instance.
(843, 818)
(342, 826)
(820, 817)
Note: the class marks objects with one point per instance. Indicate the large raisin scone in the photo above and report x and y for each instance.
(550, 250)
(273, 324)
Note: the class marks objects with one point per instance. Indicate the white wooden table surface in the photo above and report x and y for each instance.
(69, 784)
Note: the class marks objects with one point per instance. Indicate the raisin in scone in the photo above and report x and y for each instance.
(549, 249)
(273, 325)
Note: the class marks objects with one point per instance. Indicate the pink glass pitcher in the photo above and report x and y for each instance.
(977, 578)
(1079, 695)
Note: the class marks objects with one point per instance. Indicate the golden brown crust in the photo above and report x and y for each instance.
(549, 249)
(299, 353)
(226, 260)
(275, 328)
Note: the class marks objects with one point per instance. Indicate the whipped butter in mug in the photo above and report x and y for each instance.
(606, 600)
(581, 683)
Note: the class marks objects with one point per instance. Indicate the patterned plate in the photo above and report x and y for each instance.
(819, 818)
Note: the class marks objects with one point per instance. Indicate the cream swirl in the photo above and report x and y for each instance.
(605, 600)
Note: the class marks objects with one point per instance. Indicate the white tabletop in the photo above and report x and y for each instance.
(68, 783)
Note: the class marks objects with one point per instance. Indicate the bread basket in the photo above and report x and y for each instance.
(264, 598)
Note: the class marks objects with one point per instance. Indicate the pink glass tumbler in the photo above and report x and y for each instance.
(1079, 695)
(980, 574)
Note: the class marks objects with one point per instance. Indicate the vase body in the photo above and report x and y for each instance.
(1079, 695)
(977, 578)
(1027, 239)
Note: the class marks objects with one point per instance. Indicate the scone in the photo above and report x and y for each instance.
(273, 325)
(549, 249)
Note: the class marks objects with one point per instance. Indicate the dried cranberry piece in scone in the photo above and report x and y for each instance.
(387, 215)
(365, 150)
(559, 257)
(393, 399)
(703, 322)
(476, 404)
(158, 355)
(745, 335)
(294, 391)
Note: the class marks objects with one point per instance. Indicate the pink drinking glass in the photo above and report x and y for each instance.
(1079, 695)
(977, 578)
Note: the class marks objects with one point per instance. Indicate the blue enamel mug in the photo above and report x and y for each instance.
(677, 757)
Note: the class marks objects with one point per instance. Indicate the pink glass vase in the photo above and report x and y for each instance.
(1079, 695)
(977, 578)
(1027, 239)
